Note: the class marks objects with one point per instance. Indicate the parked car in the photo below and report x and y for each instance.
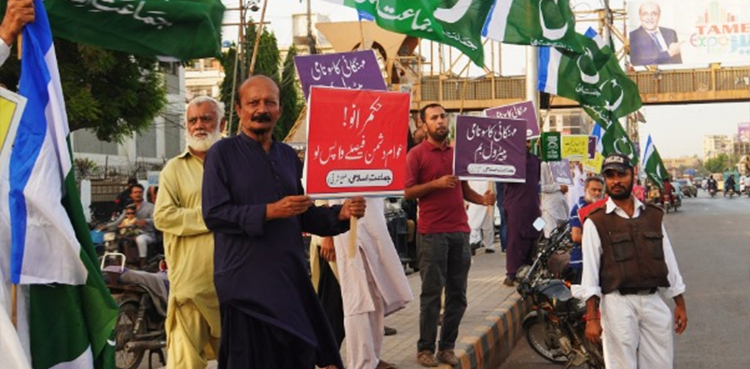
(687, 188)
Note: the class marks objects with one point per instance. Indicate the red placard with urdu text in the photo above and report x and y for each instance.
(356, 142)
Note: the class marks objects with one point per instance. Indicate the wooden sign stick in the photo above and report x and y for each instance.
(491, 208)
(352, 237)
(14, 307)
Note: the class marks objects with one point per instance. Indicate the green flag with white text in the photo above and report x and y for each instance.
(533, 22)
(614, 138)
(454, 23)
(593, 78)
(175, 29)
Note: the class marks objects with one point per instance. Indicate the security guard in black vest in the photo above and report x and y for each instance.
(627, 259)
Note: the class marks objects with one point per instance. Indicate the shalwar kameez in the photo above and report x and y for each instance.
(193, 326)
(375, 285)
(521, 201)
(271, 317)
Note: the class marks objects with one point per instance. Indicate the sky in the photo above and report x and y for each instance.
(677, 130)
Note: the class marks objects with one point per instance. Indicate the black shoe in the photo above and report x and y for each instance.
(389, 331)
(489, 251)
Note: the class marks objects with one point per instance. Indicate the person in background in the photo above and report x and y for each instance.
(729, 185)
(593, 190)
(521, 202)
(145, 223)
(639, 191)
(444, 254)
(193, 326)
(123, 199)
(375, 285)
(503, 236)
(481, 220)
(555, 209)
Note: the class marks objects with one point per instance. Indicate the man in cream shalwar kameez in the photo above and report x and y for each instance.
(375, 286)
(481, 218)
(554, 205)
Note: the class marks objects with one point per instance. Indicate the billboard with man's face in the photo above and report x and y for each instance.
(743, 132)
(688, 31)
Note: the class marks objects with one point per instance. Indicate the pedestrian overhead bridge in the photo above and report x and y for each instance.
(683, 86)
(408, 65)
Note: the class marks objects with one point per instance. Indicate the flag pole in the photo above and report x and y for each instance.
(257, 38)
(491, 208)
(20, 45)
(532, 76)
(14, 307)
(361, 36)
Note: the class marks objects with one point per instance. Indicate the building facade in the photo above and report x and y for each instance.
(715, 145)
(150, 149)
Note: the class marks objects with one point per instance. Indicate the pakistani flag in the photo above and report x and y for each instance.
(175, 29)
(71, 314)
(456, 23)
(593, 78)
(653, 165)
(614, 139)
(533, 22)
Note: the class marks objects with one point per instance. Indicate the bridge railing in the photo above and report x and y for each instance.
(677, 86)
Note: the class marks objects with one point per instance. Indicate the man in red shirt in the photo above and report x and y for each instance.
(443, 250)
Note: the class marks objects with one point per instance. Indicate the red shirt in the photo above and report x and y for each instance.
(440, 210)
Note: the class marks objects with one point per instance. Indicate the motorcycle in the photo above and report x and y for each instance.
(671, 202)
(556, 328)
(712, 191)
(142, 301)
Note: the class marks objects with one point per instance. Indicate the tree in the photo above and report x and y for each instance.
(290, 96)
(717, 164)
(110, 93)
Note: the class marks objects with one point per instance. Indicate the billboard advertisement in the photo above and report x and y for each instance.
(688, 31)
(743, 132)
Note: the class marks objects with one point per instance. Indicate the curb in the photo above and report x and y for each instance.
(488, 345)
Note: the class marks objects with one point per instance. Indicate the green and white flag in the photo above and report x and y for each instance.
(653, 165)
(614, 139)
(169, 29)
(533, 22)
(593, 78)
(69, 317)
(454, 23)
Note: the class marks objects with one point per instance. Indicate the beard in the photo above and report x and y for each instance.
(622, 195)
(202, 144)
(437, 136)
(591, 199)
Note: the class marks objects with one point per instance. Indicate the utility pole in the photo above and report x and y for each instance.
(311, 43)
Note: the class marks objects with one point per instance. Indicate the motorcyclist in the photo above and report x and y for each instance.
(729, 185)
(669, 189)
(712, 184)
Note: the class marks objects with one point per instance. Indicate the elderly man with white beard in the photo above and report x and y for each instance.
(193, 325)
